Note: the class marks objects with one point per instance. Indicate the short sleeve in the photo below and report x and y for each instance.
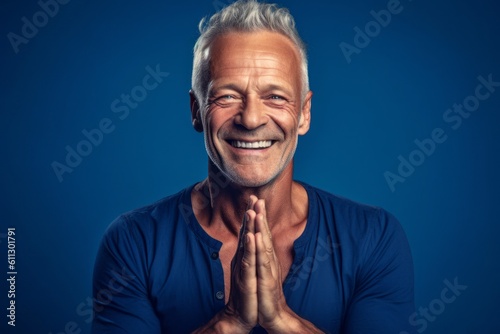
(383, 297)
(120, 290)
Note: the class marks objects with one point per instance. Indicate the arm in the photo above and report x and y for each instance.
(121, 303)
(383, 298)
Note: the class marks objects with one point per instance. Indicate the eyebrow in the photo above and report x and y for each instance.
(274, 87)
(230, 86)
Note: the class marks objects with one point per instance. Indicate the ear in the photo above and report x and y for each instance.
(195, 112)
(305, 117)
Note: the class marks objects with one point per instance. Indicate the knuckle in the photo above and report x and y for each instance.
(267, 264)
(245, 265)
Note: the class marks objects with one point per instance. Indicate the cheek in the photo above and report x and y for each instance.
(287, 121)
(211, 121)
(215, 121)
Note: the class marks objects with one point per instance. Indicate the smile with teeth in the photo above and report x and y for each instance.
(253, 145)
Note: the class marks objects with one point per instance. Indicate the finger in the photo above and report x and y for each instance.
(250, 228)
(267, 245)
(260, 208)
(248, 262)
(243, 297)
(262, 225)
(251, 201)
(263, 261)
(241, 243)
(244, 226)
(249, 222)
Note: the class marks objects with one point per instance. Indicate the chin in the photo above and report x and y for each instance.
(252, 183)
(252, 178)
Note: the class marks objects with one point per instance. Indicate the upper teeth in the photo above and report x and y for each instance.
(255, 144)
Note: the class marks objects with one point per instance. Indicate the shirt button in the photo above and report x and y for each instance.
(219, 295)
(214, 255)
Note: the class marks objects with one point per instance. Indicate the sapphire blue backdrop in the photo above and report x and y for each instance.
(95, 121)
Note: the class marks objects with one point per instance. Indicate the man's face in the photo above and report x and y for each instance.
(254, 112)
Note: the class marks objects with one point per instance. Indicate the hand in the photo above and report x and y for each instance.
(256, 295)
(274, 315)
(242, 305)
(272, 307)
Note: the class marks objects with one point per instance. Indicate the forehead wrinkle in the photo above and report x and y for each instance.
(252, 63)
(285, 57)
(254, 76)
(260, 78)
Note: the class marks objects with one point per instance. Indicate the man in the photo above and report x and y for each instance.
(249, 249)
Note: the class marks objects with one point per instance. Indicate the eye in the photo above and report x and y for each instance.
(276, 100)
(226, 100)
(276, 97)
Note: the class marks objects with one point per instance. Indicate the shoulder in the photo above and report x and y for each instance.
(143, 222)
(351, 211)
(359, 223)
(371, 241)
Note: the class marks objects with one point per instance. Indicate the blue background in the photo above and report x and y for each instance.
(365, 114)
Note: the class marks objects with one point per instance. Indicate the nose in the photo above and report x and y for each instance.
(252, 114)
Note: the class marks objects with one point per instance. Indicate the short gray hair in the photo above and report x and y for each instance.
(242, 16)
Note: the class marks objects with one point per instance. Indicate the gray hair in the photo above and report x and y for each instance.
(242, 16)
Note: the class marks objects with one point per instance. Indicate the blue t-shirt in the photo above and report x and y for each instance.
(158, 271)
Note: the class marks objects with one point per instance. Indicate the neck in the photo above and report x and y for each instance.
(221, 203)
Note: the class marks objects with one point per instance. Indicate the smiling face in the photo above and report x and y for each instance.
(254, 112)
